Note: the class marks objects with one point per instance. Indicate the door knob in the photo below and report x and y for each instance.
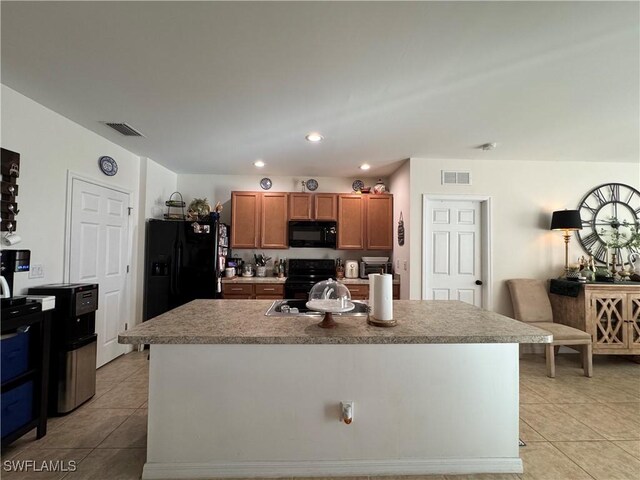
(478, 282)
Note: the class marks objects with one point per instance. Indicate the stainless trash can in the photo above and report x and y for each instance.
(77, 383)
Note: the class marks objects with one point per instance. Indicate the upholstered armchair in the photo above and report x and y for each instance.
(531, 305)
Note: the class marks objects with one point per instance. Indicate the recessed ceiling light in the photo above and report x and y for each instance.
(259, 163)
(314, 137)
(365, 166)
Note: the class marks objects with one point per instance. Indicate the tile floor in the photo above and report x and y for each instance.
(575, 427)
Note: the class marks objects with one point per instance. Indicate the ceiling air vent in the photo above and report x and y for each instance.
(456, 178)
(124, 129)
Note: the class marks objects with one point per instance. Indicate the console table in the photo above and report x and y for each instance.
(609, 312)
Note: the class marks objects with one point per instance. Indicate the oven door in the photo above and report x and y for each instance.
(295, 290)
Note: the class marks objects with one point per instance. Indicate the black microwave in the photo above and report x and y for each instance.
(312, 234)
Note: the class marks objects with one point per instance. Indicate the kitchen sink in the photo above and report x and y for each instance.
(298, 308)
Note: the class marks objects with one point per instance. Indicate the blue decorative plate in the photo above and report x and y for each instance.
(312, 184)
(265, 183)
(357, 185)
(108, 166)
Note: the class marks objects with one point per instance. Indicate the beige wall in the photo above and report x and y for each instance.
(399, 183)
(524, 194)
(50, 146)
(160, 183)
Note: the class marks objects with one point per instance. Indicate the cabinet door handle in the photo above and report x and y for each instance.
(268, 289)
(237, 289)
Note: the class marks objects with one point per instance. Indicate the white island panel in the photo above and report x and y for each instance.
(274, 410)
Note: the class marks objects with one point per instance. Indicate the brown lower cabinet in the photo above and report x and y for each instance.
(253, 291)
(361, 291)
(275, 291)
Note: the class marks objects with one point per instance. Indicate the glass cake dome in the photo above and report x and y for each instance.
(330, 296)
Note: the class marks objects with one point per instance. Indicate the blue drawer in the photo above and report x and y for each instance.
(14, 350)
(17, 408)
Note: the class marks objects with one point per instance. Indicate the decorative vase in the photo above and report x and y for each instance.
(379, 187)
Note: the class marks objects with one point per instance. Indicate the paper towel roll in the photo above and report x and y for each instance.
(372, 292)
(383, 297)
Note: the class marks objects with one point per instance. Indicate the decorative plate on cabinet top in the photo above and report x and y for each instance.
(108, 166)
(357, 185)
(266, 183)
(312, 184)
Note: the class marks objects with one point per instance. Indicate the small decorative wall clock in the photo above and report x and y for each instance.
(610, 216)
(108, 166)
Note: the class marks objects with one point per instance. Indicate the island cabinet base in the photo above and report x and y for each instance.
(220, 411)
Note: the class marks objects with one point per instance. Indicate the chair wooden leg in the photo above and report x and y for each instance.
(556, 349)
(587, 360)
(551, 362)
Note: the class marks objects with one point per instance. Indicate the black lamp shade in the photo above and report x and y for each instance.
(566, 220)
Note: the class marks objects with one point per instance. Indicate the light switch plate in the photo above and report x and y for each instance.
(36, 271)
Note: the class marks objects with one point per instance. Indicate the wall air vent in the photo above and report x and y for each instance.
(455, 178)
(124, 129)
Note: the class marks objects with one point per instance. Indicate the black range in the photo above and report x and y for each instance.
(304, 274)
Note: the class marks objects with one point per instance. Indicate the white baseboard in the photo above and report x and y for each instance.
(156, 471)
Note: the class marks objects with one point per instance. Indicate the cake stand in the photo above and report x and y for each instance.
(329, 307)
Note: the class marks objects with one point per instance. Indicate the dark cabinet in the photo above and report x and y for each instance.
(25, 371)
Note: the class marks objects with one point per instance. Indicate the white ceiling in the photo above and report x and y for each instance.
(214, 86)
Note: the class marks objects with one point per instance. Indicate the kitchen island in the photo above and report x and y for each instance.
(233, 393)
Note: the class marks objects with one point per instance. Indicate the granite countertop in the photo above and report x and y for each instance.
(244, 322)
(346, 281)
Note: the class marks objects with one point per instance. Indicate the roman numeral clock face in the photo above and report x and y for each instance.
(610, 214)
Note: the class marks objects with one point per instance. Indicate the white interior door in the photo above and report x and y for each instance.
(453, 253)
(99, 253)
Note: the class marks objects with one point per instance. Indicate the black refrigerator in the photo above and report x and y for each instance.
(184, 260)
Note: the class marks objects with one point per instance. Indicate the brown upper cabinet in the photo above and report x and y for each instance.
(274, 221)
(319, 206)
(326, 206)
(379, 222)
(259, 220)
(245, 219)
(365, 222)
(300, 206)
(351, 219)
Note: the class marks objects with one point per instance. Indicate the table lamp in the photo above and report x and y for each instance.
(568, 221)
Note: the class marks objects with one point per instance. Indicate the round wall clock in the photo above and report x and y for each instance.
(108, 166)
(312, 184)
(610, 216)
(265, 183)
